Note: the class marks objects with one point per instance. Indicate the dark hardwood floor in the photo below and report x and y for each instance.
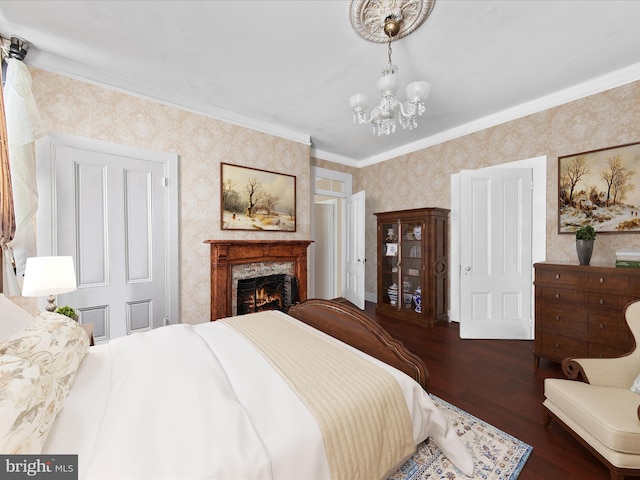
(495, 380)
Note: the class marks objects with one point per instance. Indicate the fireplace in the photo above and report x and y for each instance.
(234, 260)
(268, 292)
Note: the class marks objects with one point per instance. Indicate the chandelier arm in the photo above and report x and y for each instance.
(402, 112)
(362, 117)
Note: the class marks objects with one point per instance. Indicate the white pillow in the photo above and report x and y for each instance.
(636, 385)
(29, 403)
(13, 318)
(55, 342)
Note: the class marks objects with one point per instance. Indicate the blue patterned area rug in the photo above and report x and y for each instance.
(496, 454)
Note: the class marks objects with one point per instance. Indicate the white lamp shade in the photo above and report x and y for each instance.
(359, 100)
(389, 83)
(48, 276)
(419, 89)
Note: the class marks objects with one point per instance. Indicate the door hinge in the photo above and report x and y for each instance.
(165, 182)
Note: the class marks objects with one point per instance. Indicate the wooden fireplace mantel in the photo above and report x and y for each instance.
(227, 253)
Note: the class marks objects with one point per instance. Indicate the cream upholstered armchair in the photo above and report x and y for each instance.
(601, 410)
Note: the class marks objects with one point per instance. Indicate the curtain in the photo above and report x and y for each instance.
(8, 221)
(24, 126)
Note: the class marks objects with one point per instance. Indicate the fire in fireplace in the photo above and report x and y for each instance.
(270, 292)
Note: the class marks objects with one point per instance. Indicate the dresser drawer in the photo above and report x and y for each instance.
(607, 282)
(561, 294)
(557, 347)
(598, 350)
(607, 329)
(554, 276)
(561, 320)
(605, 300)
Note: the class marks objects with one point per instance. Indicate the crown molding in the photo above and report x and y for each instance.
(334, 157)
(61, 66)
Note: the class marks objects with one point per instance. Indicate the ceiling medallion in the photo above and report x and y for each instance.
(368, 17)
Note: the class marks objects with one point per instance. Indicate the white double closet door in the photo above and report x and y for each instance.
(106, 206)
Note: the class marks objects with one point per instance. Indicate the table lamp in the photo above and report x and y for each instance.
(49, 276)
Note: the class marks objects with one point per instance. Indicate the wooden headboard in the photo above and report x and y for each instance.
(350, 325)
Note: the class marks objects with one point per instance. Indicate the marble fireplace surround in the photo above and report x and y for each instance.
(232, 260)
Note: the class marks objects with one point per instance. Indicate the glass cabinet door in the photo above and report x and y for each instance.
(390, 267)
(411, 262)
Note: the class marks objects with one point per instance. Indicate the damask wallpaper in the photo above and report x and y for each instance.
(419, 179)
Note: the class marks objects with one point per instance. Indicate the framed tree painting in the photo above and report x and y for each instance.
(254, 199)
(600, 188)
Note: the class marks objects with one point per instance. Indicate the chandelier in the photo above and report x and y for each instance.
(386, 20)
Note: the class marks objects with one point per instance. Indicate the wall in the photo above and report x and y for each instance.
(77, 108)
(422, 179)
(74, 107)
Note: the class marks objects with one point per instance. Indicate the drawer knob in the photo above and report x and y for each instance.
(601, 280)
(601, 301)
(557, 275)
(557, 317)
(602, 325)
(557, 295)
(557, 345)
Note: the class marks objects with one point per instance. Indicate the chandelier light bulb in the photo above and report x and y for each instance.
(359, 101)
(418, 90)
(389, 81)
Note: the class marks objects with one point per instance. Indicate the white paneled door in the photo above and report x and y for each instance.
(495, 254)
(355, 249)
(107, 208)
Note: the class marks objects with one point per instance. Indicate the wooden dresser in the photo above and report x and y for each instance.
(580, 310)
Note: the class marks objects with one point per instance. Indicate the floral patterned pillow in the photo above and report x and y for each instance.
(636, 385)
(29, 403)
(55, 342)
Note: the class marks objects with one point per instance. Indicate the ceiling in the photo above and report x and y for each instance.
(288, 67)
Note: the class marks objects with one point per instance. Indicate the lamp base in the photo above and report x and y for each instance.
(51, 306)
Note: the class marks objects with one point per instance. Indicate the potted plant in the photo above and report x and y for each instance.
(67, 311)
(585, 236)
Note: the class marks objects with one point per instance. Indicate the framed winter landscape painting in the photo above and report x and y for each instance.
(599, 188)
(254, 199)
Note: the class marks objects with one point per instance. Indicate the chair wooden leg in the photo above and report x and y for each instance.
(616, 476)
(547, 418)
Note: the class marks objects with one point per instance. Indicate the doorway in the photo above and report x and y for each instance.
(325, 243)
(330, 189)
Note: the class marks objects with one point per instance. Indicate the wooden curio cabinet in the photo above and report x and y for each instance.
(413, 265)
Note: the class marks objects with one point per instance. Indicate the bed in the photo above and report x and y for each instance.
(320, 392)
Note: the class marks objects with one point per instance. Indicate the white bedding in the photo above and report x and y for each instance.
(199, 401)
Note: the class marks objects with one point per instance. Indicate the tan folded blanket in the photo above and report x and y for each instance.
(359, 406)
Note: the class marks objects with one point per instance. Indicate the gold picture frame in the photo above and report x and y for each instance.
(598, 188)
(255, 199)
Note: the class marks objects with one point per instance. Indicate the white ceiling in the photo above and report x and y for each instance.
(288, 67)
